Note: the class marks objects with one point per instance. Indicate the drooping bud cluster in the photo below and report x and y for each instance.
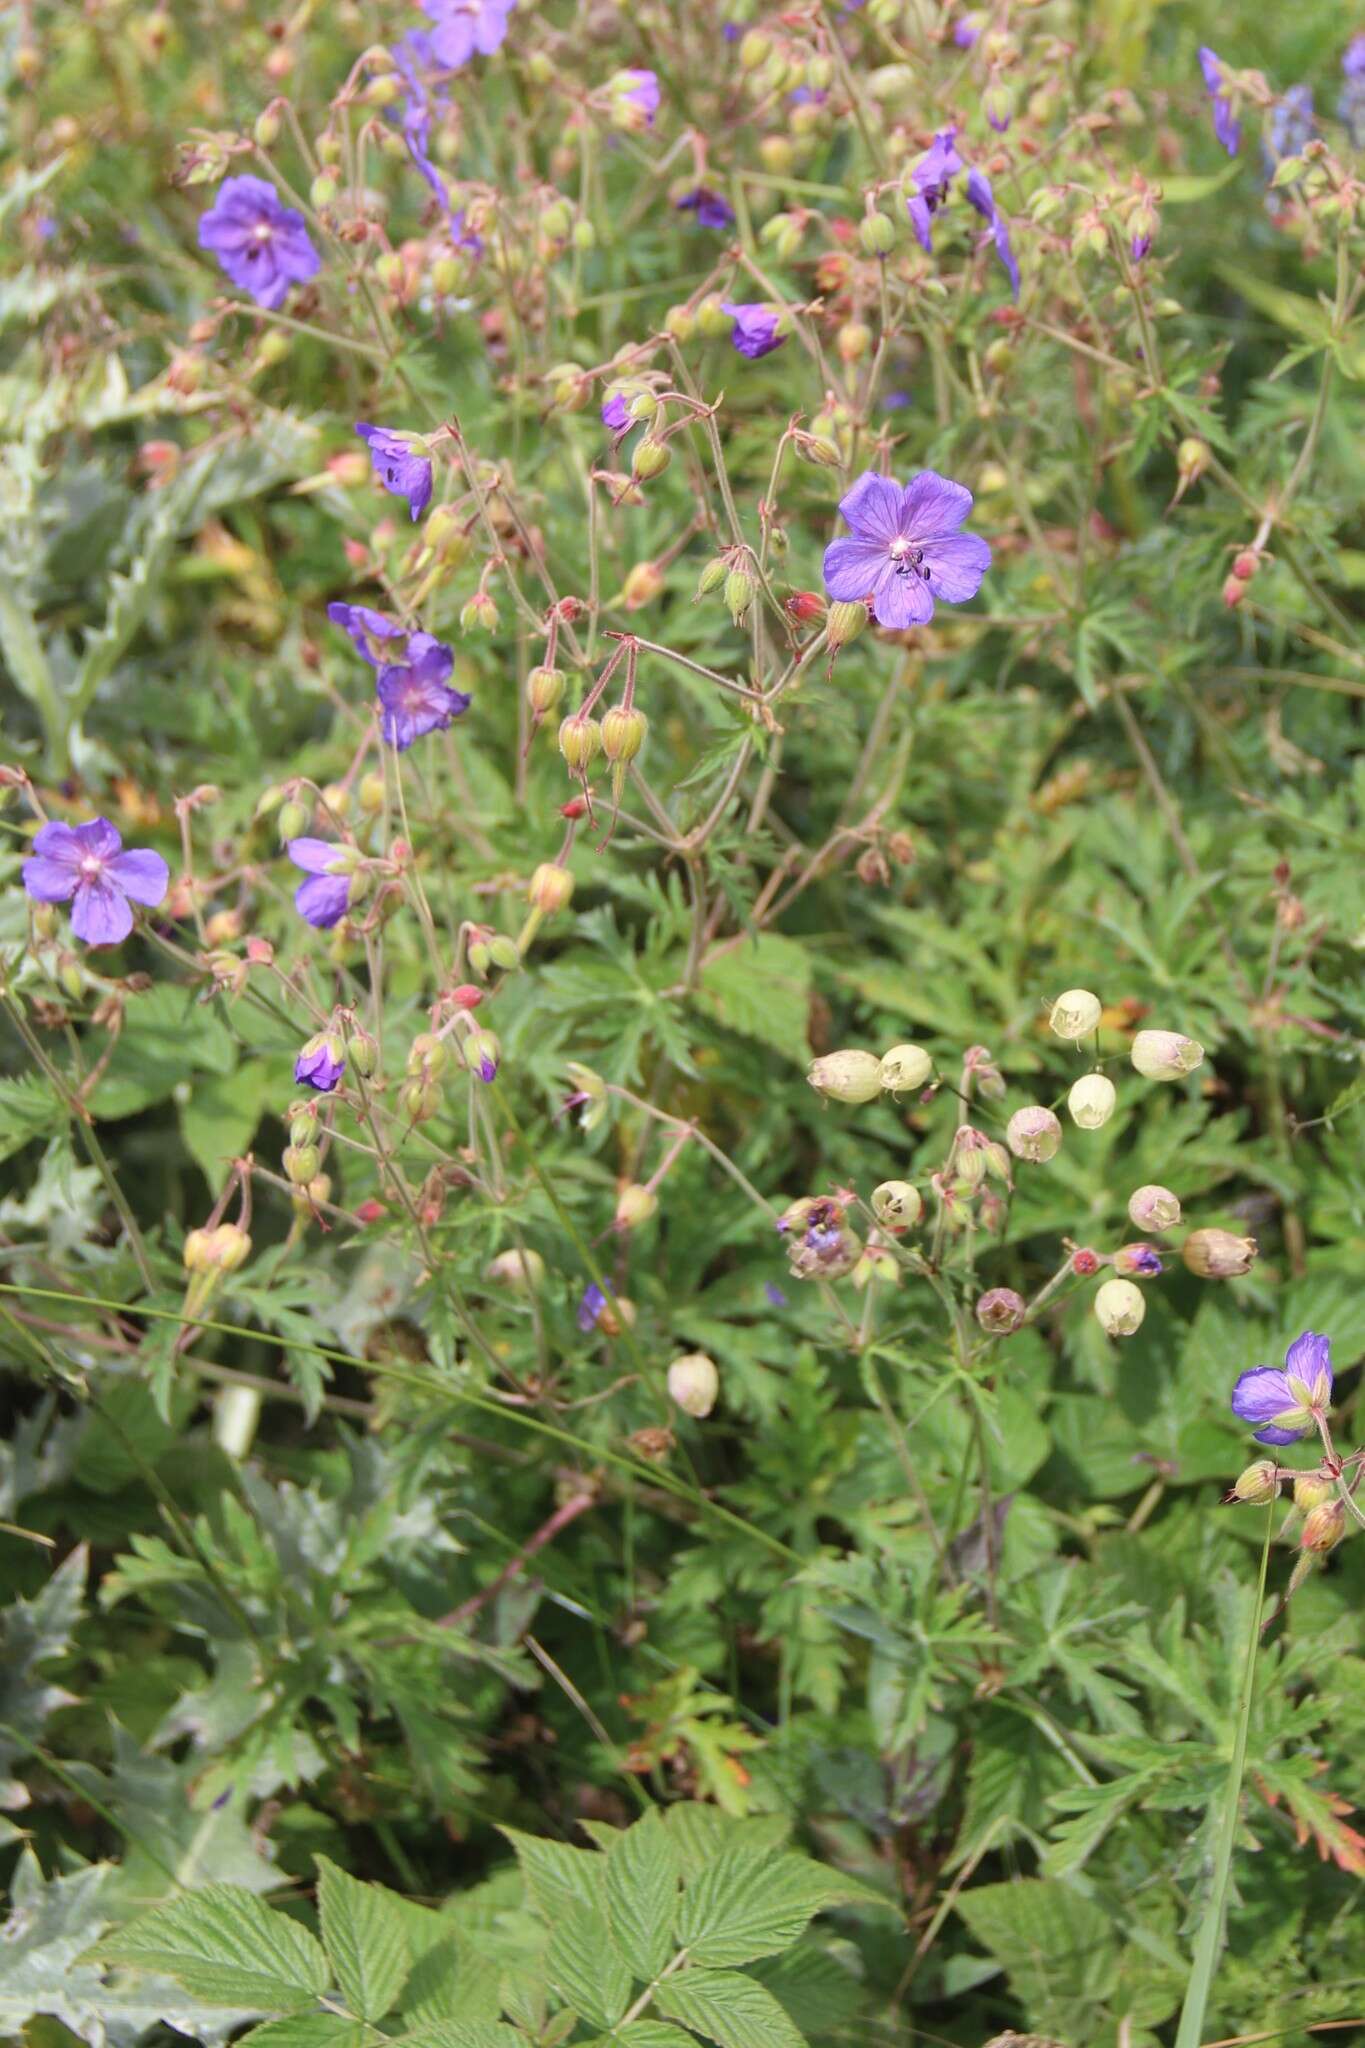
(854, 1076)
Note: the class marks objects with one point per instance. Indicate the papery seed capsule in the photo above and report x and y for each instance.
(1076, 1013)
(1257, 1484)
(1218, 1254)
(1165, 1055)
(1120, 1308)
(1153, 1207)
(847, 1076)
(694, 1383)
(1033, 1133)
(896, 1204)
(1001, 1311)
(1091, 1101)
(905, 1066)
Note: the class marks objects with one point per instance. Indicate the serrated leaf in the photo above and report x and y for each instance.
(28, 1110)
(365, 1939)
(462, 2034)
(761, 989)
(302, 2030)
(583, 1966)
(738, 1908)
(219, 1117)
(225, 1947)
(556, 1875)
(728, 2008)
(642, 1895)
(652, 2034)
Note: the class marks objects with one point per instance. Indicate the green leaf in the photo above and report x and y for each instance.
(366, 1941)
(462, 2034)
(732, 2010)
(1056, 1946)
(556, 1875)
(219, 1119)
(584, 1967)
(745, 1904)
(28, 1110)
(302, 2030)
(652, 2034)
(761, 988)
(225, 1947)
(642, 1894)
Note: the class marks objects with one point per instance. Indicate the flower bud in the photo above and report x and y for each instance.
(1257, 1484)
(1033, 1133)
(896, 1204)
(853, 341)
(1001, 1311)
(520, 1271)
(644, 582)
(844, 622)
(905, 1066)
(847, 1076)
(504, 952)
(713, 575)
(1312, 1490)
(1076, 1013)
(301, 1162)
(623, 732)
(754, 49)
(229, 1247)
(1120, 1308)
(680, 322)
(550, 889)
(292, 820)
(580, 738)
(694, 1383)
(1091, 1100)
(481, 1053)
(1165, 1055)
(634, 1205)
(712, 318)
(428, 1056)
(651, 458)
(303, 1126)
(739, 594)
(1323, 1527)
(1154, 1208)
(1191, 459)
(1142, 1261)
(544, 688)
(196, 1246)
(364, 1053)
(478, 610)
(877, 235)
(419, 1100)
(1218, 1254)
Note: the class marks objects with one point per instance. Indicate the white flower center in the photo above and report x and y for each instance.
(906, 558)
(92, 867)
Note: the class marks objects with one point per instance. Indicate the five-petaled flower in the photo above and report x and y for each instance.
(324, 897)
(757, 330)
(711, 209)
(321, 1063)
(363, 627)
(930, 179)
(398, 465)
(85, 865)
(905, 549)
(460, 27)
(980, 196)
(261, 243)
(1226, 126)
(415, 694)
(635, 99)
(1287, 1404)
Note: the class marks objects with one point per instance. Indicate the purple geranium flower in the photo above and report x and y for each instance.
(931, 178)
(415, 693)
(414, 56)
(980, 196)
(1138, 245)
(324, 897)
(460, 27)
(755, 331)
(85, 866)
(967, 30)
(615, 416)
(363, 627)
(590, 1307)
(1290, 127)
(1225, 124)
(1287, 1403)
(905, 549)
(321, 1063)
(711, 210)
(639, 92)
(398, 466)
(262, 244)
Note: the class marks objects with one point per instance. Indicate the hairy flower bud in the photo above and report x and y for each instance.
(623, 732)
(844, 622)
(1152, 1207)
(634, 1205)
(1191, 459)
(847, 1076)
(301, 1162)
(1001, 1311)
(1120, 1307)
(544, 688)
(1165, 1055)
(651, 458)
(521, 1271)
(896, 1204)
(580, 738)
(550, 888)
(1218, 1254)
(712, 575)
(694, 1383)
(905, 1066)
(1323, 1527)
(1033, 1133)
(481, 1053)
(1091, 1100)
(739, 594)
(1256, 1485)
(644, 582)
(292, 821)
(1311, 1491)
(877, 234)
(1076, 1013)
(428, 1056)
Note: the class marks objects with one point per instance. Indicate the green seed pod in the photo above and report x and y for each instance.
(580, 739)
(877, 234)
(544, 688)
(301, 1162)
(651, 458)
(844, 622)
(504, 953)
(739, 594)
(293, 820)
(623, 733)
(712, 576)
